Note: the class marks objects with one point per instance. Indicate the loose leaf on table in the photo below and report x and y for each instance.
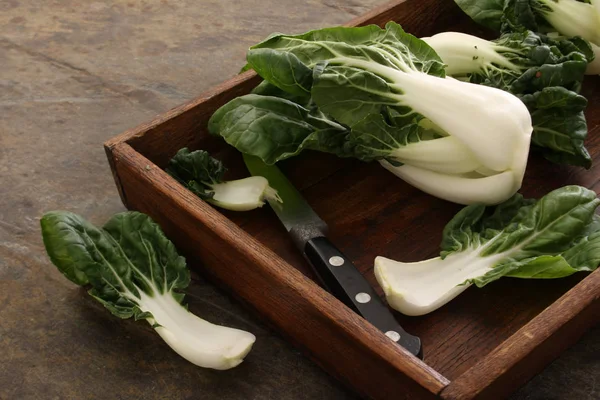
(127, 257)
(135, 271)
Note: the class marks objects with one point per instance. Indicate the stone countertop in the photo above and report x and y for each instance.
(74, 74)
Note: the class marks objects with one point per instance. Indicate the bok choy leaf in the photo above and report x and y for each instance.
(135, 271)
(203, 175)
(553, 237)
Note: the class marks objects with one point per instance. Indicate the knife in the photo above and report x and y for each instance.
(335, 271)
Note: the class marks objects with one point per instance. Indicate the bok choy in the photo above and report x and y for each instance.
(382, 94)
(553, 237)
(203, 175)
(135, 271)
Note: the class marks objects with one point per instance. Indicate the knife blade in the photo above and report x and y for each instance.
(335, 271)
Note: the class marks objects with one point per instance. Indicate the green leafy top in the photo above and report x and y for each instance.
(129, 256)
(559, 125)
(197, 171)
(485, 12)
(548, 238)
(538, 61)
(287, 61)
(275, 128)
(319, 86)
(571, 18)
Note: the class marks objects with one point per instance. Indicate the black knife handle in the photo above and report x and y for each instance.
(345, 282)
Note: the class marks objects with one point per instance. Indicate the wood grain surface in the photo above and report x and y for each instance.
(532, 346)
(487, 341)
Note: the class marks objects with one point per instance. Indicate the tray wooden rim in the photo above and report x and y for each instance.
(569, 316)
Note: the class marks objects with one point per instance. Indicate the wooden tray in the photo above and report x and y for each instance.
(484, 344)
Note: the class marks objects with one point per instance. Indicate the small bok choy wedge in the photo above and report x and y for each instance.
(553, 237)
(459, 141)
(203, 175)
(135, 271)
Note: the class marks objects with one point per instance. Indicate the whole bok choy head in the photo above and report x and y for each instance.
(203, 175)
(552, 237)
(546, 74)
(135, 271)
(570, 18)
(459, 141)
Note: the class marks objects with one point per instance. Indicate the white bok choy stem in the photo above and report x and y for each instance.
(421, 287)
(490, 130)
(198, 341)
(464, 54)
(488, 121)
(487, 156)
(243, 194)
(460, 189)
(574, 18)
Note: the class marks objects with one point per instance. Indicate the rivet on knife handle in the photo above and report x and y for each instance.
(347, 284)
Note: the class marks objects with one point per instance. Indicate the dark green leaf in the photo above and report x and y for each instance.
(282, 69)
(522, 14)
(537, 62)
(485, 12)
(585, 255)
(461, 232)
(153, 258)
(268, 89)
(274, 128)
(340, 92)
(559, 125)
(196, 170)
(553, 237)
(70, 241)
(128, 256)
(550, 225)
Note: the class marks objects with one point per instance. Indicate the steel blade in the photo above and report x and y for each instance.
(294, 212)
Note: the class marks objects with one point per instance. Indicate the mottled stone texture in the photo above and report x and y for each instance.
(72, 75)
